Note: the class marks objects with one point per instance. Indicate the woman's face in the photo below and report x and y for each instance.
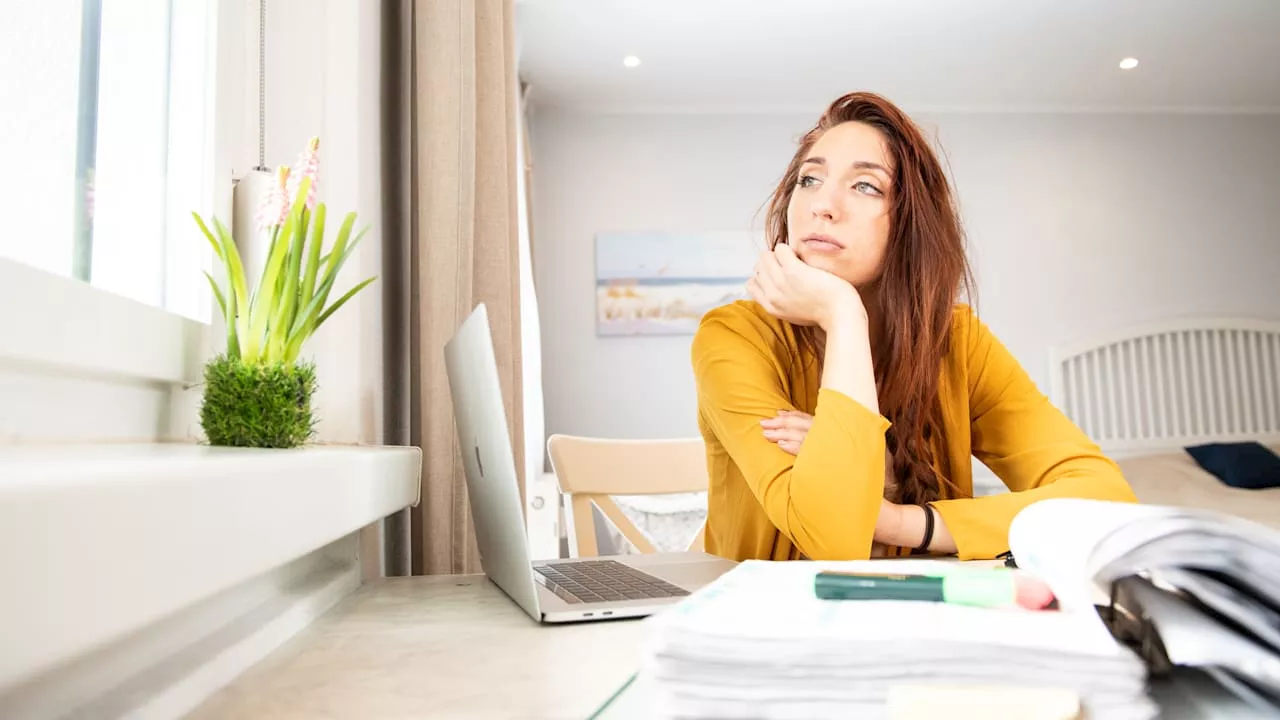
(838, 217)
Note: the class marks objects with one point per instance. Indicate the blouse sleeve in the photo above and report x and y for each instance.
(1027, 442)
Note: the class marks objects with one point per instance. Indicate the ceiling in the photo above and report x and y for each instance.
(930, 55)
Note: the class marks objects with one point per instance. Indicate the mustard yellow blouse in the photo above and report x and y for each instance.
(822, 504)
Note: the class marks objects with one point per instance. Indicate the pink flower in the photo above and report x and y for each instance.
(275, 206)
(307, 166)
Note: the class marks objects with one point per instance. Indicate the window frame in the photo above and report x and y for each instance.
(58, 323)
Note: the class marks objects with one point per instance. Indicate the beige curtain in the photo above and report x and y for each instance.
(527, 145)
(450, 104)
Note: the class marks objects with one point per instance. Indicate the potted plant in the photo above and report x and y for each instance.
(258, 392)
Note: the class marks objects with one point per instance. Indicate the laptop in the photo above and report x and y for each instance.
(550, 591)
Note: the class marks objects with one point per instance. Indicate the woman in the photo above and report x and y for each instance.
(841, 407)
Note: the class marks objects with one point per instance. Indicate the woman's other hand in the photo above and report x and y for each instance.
(791, 290)
(788, 429)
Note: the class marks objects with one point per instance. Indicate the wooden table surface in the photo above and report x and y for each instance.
(437, 647)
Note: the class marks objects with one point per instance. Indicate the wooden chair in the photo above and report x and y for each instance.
(590, 470)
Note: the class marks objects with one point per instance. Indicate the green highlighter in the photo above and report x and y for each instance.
(997, 587)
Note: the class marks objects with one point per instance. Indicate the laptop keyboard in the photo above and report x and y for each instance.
(602, 581)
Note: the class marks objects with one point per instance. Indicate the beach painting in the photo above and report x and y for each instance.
(651, 283)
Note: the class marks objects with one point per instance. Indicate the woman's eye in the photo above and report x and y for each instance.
(866, 188)
(807, 181)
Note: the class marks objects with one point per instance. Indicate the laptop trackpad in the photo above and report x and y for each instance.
(690, 575)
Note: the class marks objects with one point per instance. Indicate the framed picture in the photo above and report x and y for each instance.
(658, 283)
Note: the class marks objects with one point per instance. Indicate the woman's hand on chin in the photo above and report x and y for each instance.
(790, 290)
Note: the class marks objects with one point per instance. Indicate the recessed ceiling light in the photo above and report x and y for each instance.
(1128, 63)
(631, 61)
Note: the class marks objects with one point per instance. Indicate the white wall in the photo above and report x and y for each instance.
(323, 78)
(593, 174)
(1077, 223)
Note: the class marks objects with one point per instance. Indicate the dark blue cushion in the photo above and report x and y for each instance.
(1247, 465)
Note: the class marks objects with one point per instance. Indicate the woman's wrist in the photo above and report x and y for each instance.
(845, 311)
(889, 524)
(905, 526)
(847, 362)
(901, 525)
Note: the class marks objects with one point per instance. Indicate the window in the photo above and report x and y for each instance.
(107, 145)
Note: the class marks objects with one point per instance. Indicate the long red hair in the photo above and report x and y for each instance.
(924, 269)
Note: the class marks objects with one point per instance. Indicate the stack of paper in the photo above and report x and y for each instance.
(758, 644)
(1206, 583)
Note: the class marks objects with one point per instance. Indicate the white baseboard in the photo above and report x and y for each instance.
(168, 669)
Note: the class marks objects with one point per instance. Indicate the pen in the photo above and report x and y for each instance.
(988, 588)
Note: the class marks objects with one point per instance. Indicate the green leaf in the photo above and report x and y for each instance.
(217, 294)
(233, 337)
(270, 289)
(305, 322)
(295, 248)
(300, 201)
(310, 312)
(331, 258)
(217, 251)
(313, 257)
(337, 259)
(289, 298)
(267, 296)
(305, 222)
(338, 303)
(343, 240)
(226, 303)
(235, 280)
(272, 242)
(291, 352)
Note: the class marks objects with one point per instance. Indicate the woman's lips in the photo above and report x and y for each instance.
(822, 243)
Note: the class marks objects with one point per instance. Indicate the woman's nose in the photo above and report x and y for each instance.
(823, 208)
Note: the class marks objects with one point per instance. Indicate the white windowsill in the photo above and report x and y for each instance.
(97, 542)
(64, 325)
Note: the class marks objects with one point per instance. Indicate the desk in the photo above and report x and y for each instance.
(456, 647)
(437, 647)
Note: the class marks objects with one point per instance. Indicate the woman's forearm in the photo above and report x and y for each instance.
(846, 360)
(847, 368)
(904, 526)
